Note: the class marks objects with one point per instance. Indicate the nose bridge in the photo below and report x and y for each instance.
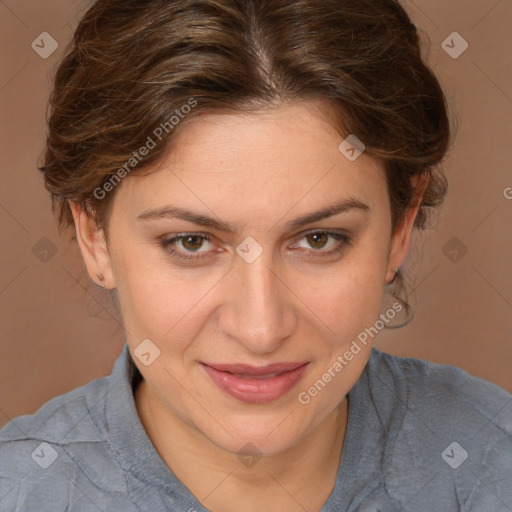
(261, 313)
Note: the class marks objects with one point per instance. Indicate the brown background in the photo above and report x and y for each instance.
(58, 331)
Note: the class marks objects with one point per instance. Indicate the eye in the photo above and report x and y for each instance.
(194, 246)
(334, 242)
(191, 245)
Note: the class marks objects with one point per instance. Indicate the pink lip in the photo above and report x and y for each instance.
(253, 384)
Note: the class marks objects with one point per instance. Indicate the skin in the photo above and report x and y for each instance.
(282, 307)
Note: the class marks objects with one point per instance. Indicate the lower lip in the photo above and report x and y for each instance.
(256, 390)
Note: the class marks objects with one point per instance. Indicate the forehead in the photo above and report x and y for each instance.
(290, 133)
(284, 154)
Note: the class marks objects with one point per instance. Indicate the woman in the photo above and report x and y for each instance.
(245, 177)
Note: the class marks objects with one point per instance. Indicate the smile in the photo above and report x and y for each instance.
(256, 385)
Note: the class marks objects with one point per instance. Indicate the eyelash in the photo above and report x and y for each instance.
(167, 245)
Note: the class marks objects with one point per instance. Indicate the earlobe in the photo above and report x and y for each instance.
(93, 247)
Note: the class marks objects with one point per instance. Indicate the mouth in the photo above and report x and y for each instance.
(256, 385)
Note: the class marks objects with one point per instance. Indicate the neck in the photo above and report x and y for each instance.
(303, 476)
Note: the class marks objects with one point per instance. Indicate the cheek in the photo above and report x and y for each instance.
(161, 305)
(347, 299)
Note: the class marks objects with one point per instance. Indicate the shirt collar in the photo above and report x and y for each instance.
(127, 437)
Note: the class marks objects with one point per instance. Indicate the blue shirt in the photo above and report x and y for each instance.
(420, 437)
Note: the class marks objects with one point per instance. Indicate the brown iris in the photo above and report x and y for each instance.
(318, 238)
(192, 242)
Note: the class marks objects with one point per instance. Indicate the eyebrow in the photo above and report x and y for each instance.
(343, 206)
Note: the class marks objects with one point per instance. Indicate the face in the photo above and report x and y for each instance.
(219, 261)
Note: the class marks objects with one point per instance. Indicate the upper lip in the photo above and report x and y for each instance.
(245, 369)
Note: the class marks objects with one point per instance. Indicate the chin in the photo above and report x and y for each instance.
(250, 435)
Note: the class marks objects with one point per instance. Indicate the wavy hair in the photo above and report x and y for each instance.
(133, 64)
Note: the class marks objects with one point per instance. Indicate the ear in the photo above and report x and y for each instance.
(401, 239)
(93, 247)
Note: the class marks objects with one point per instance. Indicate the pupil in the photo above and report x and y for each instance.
(319, 238)
(192, 246)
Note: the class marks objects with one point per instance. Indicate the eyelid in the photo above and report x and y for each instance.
(168, 241)
(342, 238)
(330, 232)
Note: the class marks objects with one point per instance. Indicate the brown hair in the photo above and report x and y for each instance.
(133, 65)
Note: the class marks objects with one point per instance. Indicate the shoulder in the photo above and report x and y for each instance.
(66, 412)
(441, 388)
(448, 428)
(54, 457)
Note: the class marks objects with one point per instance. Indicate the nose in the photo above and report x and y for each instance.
(258, 310)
